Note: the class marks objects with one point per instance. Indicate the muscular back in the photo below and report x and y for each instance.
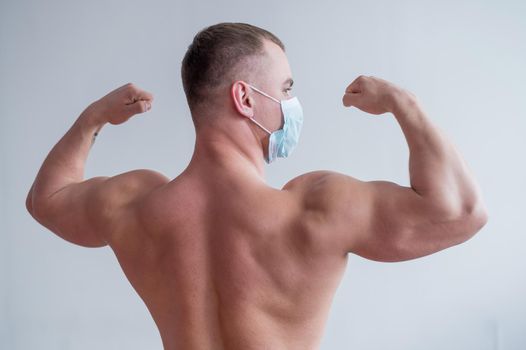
(226, 263)
(223, 261)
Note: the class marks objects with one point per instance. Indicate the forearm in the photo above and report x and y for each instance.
(437, 170)
(65, 162)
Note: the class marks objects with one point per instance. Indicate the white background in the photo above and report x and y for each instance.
(465, 60)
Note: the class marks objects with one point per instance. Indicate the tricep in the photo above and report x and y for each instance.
(383, 221)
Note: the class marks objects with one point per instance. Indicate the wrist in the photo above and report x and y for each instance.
(90, 122)
(93, 117)
(403, 102)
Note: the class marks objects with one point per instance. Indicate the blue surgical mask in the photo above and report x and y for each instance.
(283, 141)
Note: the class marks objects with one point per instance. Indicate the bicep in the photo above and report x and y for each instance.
(398, 224)
(383, 221)
(85, 213)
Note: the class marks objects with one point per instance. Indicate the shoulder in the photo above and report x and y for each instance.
(304, 181)
(118, 199)
(135, 182)
(123, 191)
(329, 204)
(142, 175)
(319, 189)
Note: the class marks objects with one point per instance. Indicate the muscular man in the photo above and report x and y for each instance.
(221, 259)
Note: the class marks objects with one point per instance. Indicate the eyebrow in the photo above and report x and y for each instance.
(289, 81)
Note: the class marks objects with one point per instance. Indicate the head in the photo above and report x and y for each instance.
(218, 69)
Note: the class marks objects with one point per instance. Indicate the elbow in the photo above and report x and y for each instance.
(29, 201)
(475, 219)
(35, 206)
(478, 213)
(480, 218)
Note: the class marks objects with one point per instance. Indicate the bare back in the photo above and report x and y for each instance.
(223, 261)
(227, 264)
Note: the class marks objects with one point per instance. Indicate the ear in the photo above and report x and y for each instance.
(243, 101)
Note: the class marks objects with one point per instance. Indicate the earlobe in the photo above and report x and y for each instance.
(243, 102)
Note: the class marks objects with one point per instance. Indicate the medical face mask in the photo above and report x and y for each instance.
(283, 141)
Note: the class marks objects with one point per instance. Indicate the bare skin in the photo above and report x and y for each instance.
(222, 260)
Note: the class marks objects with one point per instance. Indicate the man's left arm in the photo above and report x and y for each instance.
(84, 211)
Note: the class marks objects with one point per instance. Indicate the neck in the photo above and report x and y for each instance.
(236, 148)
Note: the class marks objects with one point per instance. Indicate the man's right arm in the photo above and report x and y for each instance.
(381, 220)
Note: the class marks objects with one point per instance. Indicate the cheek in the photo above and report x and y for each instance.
(276, 117)
(270, 116)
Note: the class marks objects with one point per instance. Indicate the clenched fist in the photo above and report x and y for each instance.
(121, 104)
(374, 95)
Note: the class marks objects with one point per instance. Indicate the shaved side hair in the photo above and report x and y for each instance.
(219, 55)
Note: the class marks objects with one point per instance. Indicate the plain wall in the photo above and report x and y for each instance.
(465, 60)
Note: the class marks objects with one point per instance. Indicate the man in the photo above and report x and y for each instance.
(222, 260)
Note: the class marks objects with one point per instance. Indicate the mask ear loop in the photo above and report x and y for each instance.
(261, 126)
(267, 95)
(264, 94)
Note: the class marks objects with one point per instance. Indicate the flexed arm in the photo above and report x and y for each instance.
(438, 173)
(78, 210)
(381, 220)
